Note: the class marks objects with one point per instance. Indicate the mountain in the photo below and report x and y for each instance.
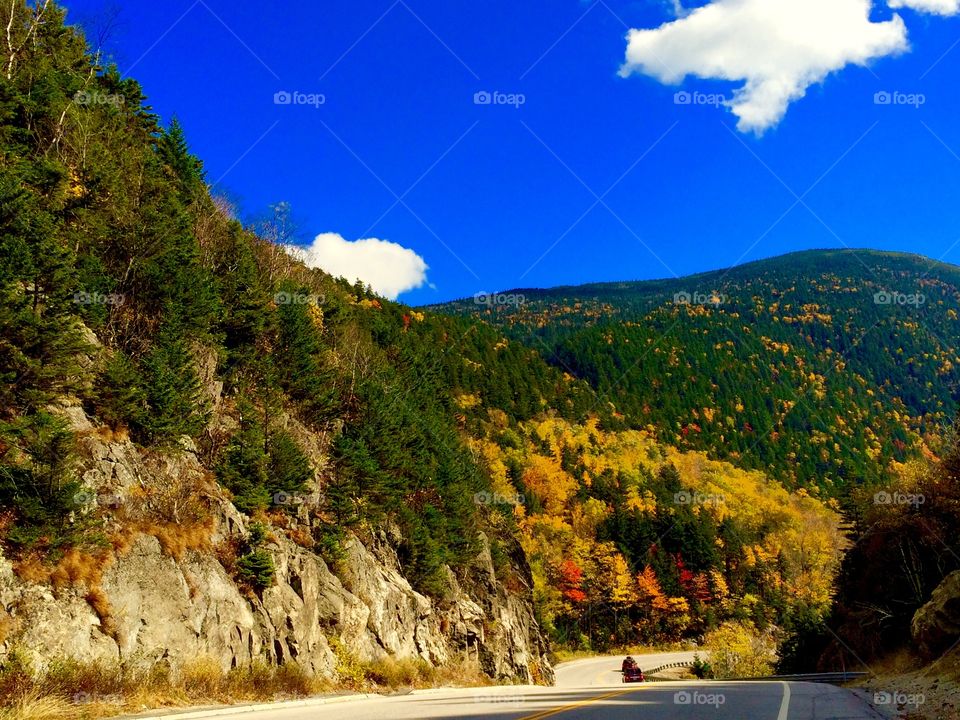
(210, 451)
(820, 367)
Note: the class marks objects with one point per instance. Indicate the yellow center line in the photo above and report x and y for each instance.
(582, 703)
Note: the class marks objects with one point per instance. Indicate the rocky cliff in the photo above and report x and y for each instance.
(163, 593)
(936, 626)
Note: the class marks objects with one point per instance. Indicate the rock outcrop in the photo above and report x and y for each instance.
(169, 608)
(936, 625)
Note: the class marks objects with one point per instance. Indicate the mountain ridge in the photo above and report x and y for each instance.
(722, 271)
(865, 341)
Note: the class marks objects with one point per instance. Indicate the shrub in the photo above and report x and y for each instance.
(407, 672)
(738, 650)
(38, 478)
(255, 566)
(701, 668)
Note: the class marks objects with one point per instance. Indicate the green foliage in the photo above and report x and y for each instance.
(288, 467)
(796, 371)
(298, 356)
(701, 669)
(255, 566)
(256, 467)
(120, 395)
(172, 389)
(39, 332)
(243, 468)
(38, 479)
(186, 169)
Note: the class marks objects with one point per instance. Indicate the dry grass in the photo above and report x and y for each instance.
(122, 540)
(97, 599)
(39, 707)
(31, 569)
(81, 569)
(106, 434)
(176, 540)
(91, 690)
(77, 569)
(392, 673)
(112, 435)
(301, 536)
(101, 689)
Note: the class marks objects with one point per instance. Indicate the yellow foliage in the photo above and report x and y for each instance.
(794, 542)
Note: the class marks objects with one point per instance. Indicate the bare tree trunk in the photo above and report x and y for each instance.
(38, 12)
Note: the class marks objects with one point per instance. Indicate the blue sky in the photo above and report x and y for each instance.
(595, 176)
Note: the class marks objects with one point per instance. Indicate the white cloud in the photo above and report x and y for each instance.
(937, 7)
(778, 48)
(389, 268)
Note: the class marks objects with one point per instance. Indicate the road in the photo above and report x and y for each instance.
(581, 695)
(604, 671)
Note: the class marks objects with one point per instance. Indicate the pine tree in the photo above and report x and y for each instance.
(288, 468)
(176, 403)
(244, 466)
(175, 153)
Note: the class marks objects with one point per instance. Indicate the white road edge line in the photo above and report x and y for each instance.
(785, 704)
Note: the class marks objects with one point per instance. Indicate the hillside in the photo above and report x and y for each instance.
(218, 463)
(819, 367)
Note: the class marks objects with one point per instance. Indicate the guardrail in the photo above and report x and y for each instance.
(828, 677)
(651, 673)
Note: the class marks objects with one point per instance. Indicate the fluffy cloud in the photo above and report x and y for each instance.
(937, 7)
(778, 48)
(389, 268)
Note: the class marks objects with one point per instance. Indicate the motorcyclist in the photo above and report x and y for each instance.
(628, 664)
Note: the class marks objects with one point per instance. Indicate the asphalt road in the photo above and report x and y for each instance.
(593, 701)
(604, 671)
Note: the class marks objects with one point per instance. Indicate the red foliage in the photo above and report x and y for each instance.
(571, 581)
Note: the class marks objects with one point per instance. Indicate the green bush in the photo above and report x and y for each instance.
(255, 566)
(38, 479)
(701, 668)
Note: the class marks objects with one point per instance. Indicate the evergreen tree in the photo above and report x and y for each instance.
(176, 403)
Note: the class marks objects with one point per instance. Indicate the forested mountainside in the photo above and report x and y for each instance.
(181, 398)
(820, 367)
